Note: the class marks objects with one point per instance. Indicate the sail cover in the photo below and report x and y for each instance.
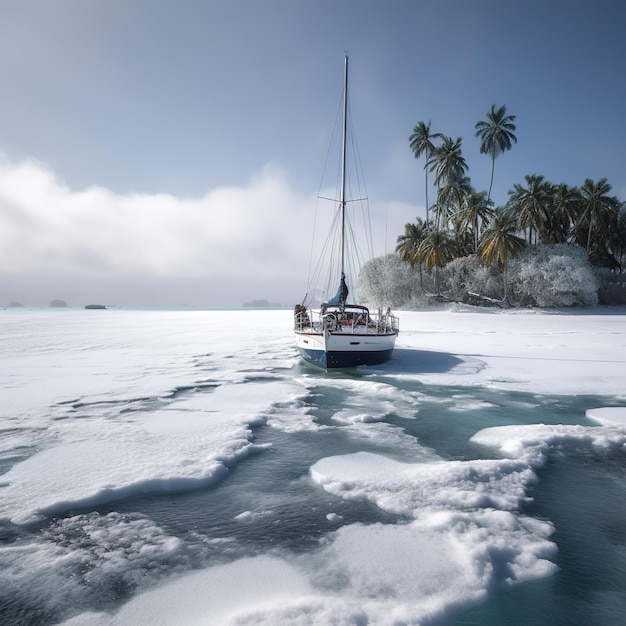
(342, 293)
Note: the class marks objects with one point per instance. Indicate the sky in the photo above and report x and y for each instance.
(157, 153)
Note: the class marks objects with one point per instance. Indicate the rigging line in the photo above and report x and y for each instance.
(347, 201)
(356, 258)
(385, 247)
(310, 278)
(327, 256)
(359, 194)
(328, 245)
(331, 255)
(331, 146)
(354, 240)
(359, 170)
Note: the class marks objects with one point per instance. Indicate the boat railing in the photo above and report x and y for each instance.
(344, 321)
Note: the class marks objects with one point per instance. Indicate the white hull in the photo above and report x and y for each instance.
(336, 349)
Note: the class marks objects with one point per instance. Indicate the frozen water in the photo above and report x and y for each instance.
(186, 467)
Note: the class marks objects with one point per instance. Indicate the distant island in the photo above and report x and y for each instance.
(15, 304)
(95, 306)
(262, 304)
(58, 303)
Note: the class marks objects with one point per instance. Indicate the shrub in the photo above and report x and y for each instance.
(388, 281)
(553, 275)
(467, 277)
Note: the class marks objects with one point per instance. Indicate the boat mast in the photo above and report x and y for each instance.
(343, 165)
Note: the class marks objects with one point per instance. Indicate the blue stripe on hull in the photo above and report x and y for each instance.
(334, 359)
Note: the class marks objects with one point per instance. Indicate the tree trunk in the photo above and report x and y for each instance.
(427, 218)
(505, 285)
(493, 165)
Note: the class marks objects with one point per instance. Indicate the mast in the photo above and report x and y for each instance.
(344, 135)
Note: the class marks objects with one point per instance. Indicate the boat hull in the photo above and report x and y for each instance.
(329, 350)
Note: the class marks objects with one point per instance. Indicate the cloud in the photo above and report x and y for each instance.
(47, 225)
(259, 232)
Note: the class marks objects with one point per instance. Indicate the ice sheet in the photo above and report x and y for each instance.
(533, 443)
(608, 416)
(186, 445)
(556, 352)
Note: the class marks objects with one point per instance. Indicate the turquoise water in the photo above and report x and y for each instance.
(583, 494)
(582, 491)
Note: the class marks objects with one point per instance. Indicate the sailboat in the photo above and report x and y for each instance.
(342, 334)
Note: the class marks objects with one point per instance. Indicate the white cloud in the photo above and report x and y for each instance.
(231, 230)
(258, 232)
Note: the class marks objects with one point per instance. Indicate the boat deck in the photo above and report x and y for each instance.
(346, 320)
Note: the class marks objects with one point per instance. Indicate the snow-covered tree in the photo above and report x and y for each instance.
(553, 275)
(467, 277)
(388, 281)
(547, 275)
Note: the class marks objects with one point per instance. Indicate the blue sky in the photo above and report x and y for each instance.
(161, 152)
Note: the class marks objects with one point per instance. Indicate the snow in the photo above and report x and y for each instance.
(257, 586)
(186, 445)
(608, 416)
(547, 352)
(533, 443)
(460, 532)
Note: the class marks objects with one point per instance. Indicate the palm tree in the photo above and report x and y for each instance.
(421, 142)
(449, 166)
(408, 244)
(499, 243)
(436, 250)
(618, 240)
(475, 211)
(496, 135)
(598, 210)
(450, 198)
(447, 161)
(559, 214)
(530, 204)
